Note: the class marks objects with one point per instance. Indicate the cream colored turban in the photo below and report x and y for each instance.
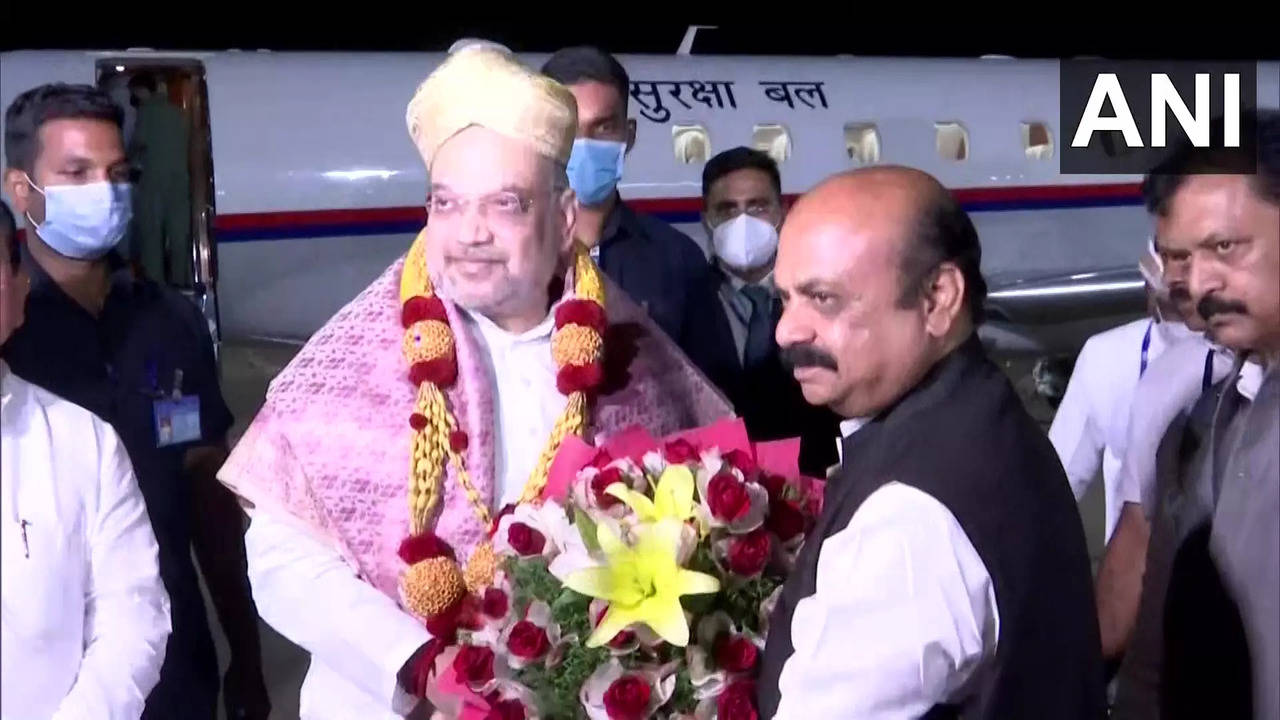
(483, 85)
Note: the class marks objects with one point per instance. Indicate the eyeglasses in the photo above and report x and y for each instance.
(757, 209)
(505, 207)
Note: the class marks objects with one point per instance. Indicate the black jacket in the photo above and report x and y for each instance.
(963, 437)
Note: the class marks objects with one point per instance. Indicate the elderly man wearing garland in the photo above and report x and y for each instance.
(442, 392)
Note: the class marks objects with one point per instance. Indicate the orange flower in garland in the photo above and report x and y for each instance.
(577, 346)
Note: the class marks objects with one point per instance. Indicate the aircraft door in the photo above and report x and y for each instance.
(168, 141)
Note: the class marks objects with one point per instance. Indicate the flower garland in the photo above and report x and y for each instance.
(577, 346)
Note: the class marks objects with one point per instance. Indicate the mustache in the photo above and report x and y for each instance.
(805, 355)
(1211, 305)
(1179, 294)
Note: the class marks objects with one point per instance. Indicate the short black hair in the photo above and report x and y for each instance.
(9, 231)
(56, 101)
(585, 63)
(740, 158)
(943, 232)
(1184, 160)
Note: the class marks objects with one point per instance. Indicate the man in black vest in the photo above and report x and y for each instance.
(947, 575)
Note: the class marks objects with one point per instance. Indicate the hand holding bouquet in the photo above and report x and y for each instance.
(639, 587)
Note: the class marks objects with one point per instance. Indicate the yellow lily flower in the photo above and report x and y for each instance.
(642, 584)
(672, 498)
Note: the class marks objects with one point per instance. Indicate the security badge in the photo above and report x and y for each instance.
(177, 416)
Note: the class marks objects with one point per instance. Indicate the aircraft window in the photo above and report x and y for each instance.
(1037, 141)
(773, 140)
(952, 141)
(692, 143)
(862, 143)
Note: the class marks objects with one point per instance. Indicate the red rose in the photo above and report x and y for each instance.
(748, 554)
(525, 540)
(737, 702)
(474, 664)
(736, 653)
(528, 641)
(773, 484)
(728, 498)
(741, 460)
(601, 460)
(785, 520)
(601, 482)
(496, 603)
(505, 710)
(680, 451)
(417, 548)
(627, 698)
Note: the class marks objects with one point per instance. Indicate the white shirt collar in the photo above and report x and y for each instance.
(1251, 375)
(492, 332)
(852, 425)
(848, 428)
(8, 387)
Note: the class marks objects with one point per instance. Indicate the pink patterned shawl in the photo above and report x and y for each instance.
(330, 447)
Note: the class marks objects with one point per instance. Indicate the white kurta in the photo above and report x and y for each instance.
(85, 615)
(1091, 425)
(359, 638)
(904, 616)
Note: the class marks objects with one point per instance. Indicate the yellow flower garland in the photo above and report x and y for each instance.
(577, 347)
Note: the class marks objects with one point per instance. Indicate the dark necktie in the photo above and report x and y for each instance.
(760, 341)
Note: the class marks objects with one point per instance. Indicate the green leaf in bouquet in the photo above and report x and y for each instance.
(558, 688)
(531, 580)
(742, 601)
(683, 700)
(571, 611)
(587, 529)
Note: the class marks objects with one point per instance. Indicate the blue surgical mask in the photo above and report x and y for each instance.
(84, 222)
(595, 167)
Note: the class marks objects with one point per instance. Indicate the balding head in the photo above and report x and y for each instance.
(879, 268)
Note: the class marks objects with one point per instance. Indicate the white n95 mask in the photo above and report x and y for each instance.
(745, 242)
(84, 222)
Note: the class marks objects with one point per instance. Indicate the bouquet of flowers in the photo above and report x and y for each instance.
(639, 587)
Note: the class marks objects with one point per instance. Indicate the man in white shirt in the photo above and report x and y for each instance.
(947, 575)
(1091, 424)
(85, 616)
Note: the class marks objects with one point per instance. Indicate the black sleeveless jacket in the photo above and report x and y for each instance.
(963, 436)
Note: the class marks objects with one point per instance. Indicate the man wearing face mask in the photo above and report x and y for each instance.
(742, 211)
(661, 268)
(139, 356)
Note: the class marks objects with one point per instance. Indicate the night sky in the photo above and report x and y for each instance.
(352, 26)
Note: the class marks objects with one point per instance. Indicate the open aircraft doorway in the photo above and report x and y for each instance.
(166, 128)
